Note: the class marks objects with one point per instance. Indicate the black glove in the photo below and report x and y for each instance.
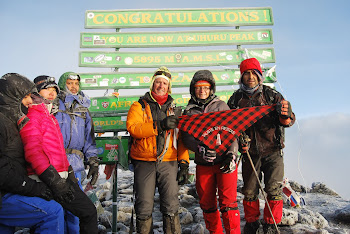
(207, 154)
(169, 122)
(284, 109)
(182, 174)
(93, 171)
(63, 190)
(71, 175)
(40, 189)
(229, 163)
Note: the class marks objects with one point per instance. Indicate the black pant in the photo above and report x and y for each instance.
(84, 209)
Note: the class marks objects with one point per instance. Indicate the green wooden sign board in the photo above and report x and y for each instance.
(178, 17)
(173, 59)
(124, 80)
(180, 38)
(110, 105)
(105, 124)
(109, 149)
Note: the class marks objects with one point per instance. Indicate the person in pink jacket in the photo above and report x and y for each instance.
(47, 162)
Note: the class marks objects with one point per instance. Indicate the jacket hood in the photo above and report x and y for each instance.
(63, 79)
(13, 88)
(203, 75)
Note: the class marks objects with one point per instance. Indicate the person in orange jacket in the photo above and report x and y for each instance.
(157, 154)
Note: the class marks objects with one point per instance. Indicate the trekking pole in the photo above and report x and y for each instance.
(260, 186)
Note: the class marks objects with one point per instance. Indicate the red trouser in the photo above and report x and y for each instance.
(210, 179)
(252, 212)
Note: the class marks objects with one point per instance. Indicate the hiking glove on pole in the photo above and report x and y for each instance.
(284, 109)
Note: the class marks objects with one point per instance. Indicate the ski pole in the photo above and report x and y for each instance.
(260, 186)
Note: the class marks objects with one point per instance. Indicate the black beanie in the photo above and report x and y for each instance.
(44, 82)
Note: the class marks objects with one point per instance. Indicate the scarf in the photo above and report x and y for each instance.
(160, 99)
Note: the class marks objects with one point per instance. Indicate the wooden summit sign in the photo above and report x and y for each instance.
(178, 17)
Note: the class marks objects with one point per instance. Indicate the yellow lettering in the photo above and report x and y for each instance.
(198, 58)
(243, 16)
(108, 21)
(123, 18)
(251, 36)
(153, 38)
(96, 21)
(159, 18)
(146, 17)
(134, 18)
(213, 15)
(185, 59)
(180, 39)
(130, 40)
(178, 18)
(190, 20)
(254, 16)
(114, 105)
(170, 17)
(169, 38)
(235, 17)
(202, 17)
(169, 59)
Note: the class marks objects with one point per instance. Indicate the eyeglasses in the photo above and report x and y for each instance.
(205, 88)
(167, 74)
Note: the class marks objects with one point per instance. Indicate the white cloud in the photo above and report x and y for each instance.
(318, 147)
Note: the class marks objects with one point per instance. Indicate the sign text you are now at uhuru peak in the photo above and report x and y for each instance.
(168, 39)
(178, 17)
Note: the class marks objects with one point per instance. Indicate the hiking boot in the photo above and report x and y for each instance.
(269, 228)
(251, 228)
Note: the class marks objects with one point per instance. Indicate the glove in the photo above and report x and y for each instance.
(207, 154)
(182, 174)
(284, 109)
(93, 171)
(169, 122)
(244, 142)
(61, 188)
(71, 175)
(229, 164)
(41, 190)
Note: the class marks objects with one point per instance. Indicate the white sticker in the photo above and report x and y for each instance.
(128, 61)
(134, 83)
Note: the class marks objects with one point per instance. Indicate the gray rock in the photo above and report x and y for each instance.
(343, 215)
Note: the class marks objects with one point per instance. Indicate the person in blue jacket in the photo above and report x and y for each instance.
(76, 126)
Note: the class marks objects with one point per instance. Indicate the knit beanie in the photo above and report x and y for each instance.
(202, 83)
(162, 72)
(251, 64)
(44, 82)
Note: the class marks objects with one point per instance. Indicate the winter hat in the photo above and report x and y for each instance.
(44, 82)
(202, 75)
(251, 64)
(162, 72)
(65, 76)
(202, 83)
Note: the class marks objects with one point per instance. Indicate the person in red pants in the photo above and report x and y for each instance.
(214, 173)
(265, 147)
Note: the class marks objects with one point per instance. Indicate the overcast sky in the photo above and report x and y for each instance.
(311, 42)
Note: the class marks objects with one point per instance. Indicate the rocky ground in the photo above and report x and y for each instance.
(325, 211)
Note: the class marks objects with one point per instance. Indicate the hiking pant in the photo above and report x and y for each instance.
(72, 221)
(148, 176)
(83, 208)
(31, 212)
(210, 179)
(272, 167)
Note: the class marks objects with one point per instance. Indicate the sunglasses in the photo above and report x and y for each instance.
(167, 74)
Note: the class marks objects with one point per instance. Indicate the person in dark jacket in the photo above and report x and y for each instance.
(24, 202)
(157, 152)
(213, 172)
(265, 146)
